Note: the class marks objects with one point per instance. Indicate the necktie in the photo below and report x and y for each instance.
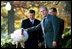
(32, 22)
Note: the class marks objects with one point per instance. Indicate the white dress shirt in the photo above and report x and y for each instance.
(32, 21)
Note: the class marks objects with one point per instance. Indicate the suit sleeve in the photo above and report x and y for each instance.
(55, 24)
(40, 34)
(33, 29)
(23, 25)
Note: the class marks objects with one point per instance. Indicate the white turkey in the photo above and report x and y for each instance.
(19, 36)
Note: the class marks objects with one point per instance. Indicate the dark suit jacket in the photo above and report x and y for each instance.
(53, 29)
(61, 29)
(35, 36)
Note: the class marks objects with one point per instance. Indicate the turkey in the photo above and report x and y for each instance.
(19, 36)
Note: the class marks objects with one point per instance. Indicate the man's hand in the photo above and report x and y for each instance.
(39, 44)
(63, 36)
(54, 44)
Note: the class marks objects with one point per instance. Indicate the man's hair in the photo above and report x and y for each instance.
(32, 11)
(44, 7)
(54, 9)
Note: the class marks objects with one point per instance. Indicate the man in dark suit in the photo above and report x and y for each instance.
(53, 11)
(51, 27)
(34, 37)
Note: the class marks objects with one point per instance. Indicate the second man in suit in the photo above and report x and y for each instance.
(35, 36)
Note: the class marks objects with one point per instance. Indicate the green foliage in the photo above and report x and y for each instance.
(68, 44)
(4, 12)
(4, 25)
(67, 38)
(67, 31)
(5, 40)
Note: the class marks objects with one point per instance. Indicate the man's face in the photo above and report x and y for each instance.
(43, 11)
(31, 15)
(51, 12)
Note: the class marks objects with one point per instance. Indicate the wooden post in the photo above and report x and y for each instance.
(11, 20)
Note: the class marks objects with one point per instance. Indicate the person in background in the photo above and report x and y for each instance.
(53, 11)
